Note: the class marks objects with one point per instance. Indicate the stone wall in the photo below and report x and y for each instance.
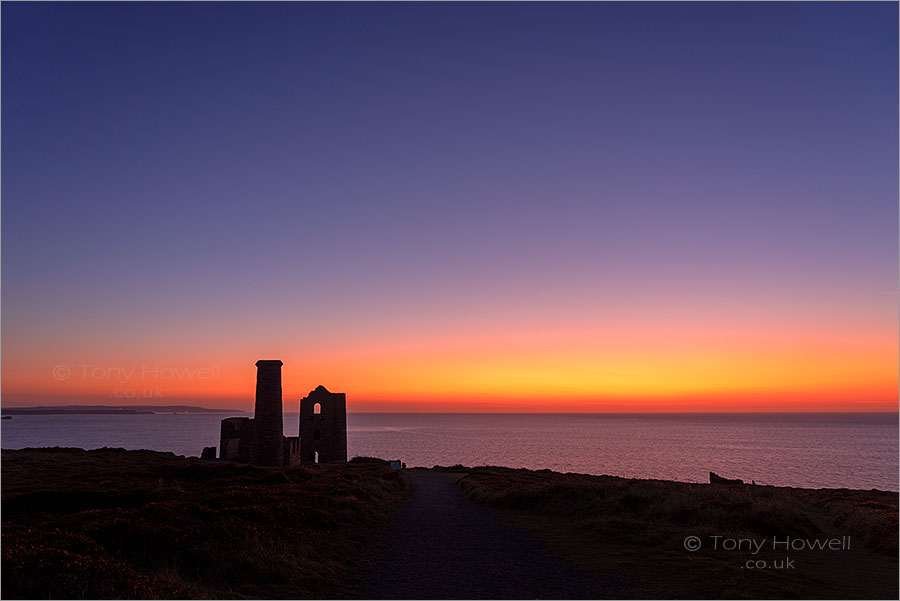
(323, 427)
(236, 439)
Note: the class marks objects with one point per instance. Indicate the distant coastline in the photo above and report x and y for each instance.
(112, 410)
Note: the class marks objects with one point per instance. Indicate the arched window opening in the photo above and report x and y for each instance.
(315, 457)
(317, 409)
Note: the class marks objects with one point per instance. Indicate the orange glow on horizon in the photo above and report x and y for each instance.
(616, 369)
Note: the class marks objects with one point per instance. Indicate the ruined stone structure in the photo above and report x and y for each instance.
(323, 427)
(260, 440)
(268, 421)
(236, 439)
(291, 450)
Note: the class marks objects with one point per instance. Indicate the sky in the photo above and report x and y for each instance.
(452, 207)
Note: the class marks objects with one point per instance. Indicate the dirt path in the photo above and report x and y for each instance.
(441, 545)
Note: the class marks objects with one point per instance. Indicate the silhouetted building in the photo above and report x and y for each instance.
(236, 439)
(260, 440)
(323, 427)
(268, 426)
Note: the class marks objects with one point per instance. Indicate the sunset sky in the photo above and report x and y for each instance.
(452, 207)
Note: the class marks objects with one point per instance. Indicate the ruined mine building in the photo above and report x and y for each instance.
(261, 441)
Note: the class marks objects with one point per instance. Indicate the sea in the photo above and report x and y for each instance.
(823, 450)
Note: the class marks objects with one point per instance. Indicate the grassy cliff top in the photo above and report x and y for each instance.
(608, 524)
(111, 523)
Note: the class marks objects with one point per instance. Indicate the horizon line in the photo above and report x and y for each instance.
(683, 412)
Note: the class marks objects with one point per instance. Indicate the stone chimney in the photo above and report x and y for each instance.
(269, 427)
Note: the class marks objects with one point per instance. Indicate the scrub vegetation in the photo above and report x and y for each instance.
(612, 525)
(111, 523)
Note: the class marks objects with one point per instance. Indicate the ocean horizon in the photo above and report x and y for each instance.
(812, 450)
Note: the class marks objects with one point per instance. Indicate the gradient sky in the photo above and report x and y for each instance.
(495, 207)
